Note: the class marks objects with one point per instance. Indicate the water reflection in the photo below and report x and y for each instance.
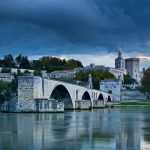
(115, 129)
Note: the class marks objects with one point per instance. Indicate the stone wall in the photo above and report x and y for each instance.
(83, 104)
(98, 104)
(47, 105)
(25, 93)
(38, 87)
(9, 106)
(132, 95)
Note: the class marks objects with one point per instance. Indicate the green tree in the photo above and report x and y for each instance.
(97, 75)
(2, 63)
(6, 70)
(129, 80)
(4, 91)
(25, 63)
(2, 98)
(37, 73)
(71, 64)
(9, 61)
(145, 83)
(3, 86)
(37, 65)
(14, 84)
(18, 60)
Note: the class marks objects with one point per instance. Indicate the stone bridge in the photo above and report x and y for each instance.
(74, 96)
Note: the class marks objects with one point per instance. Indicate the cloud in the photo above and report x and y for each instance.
(147, 58)
(74, 27)
(104, 59)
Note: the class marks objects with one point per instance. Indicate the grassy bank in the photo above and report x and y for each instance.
(133, 104)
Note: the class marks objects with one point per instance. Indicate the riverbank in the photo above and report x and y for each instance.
(132, 104)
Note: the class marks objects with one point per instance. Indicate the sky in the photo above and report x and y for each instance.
(88, 30)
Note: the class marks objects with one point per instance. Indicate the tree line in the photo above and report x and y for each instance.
(48, 63)
(145, 83)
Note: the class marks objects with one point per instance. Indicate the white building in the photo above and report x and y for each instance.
(15, 70)
(61, 74)
(118, 73)
(132, 67)
(113, 87)
(6, 77)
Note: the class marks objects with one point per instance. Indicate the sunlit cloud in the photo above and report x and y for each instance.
(147, 58)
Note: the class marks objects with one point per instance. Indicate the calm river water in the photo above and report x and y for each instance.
(103, 129)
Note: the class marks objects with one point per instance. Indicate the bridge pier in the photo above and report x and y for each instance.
(83, 104)
(98, 104)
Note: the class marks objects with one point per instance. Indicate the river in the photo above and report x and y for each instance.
(120, 128)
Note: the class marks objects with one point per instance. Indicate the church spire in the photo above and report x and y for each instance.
(119, 53)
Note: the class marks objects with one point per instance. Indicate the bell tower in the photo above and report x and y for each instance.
(119, 62)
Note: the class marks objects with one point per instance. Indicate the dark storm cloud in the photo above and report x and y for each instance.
(44, 26)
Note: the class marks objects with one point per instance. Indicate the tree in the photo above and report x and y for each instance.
(14, 84)
(97, 75)
(129, 80)
(37, 73)
(2, 98)
(4, 91)
(37, 65)
(9, 61)
(145, 83)
(25, 63)
(71, 64)
(6, 70)
(18, 60)
(2, 63)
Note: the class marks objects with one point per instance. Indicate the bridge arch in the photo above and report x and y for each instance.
(60, 92)
(101, 97)
(109, 99)
(86, 96)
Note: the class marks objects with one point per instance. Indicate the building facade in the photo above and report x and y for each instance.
(61, 74)
(118, 73)
(6, 77)
(113, 87)
(132, 67)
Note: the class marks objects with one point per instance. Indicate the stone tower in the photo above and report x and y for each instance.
(90, 81)
(119, 62)
(132, 67)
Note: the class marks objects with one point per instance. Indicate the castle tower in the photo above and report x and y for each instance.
(119, 62)
(132, 67)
